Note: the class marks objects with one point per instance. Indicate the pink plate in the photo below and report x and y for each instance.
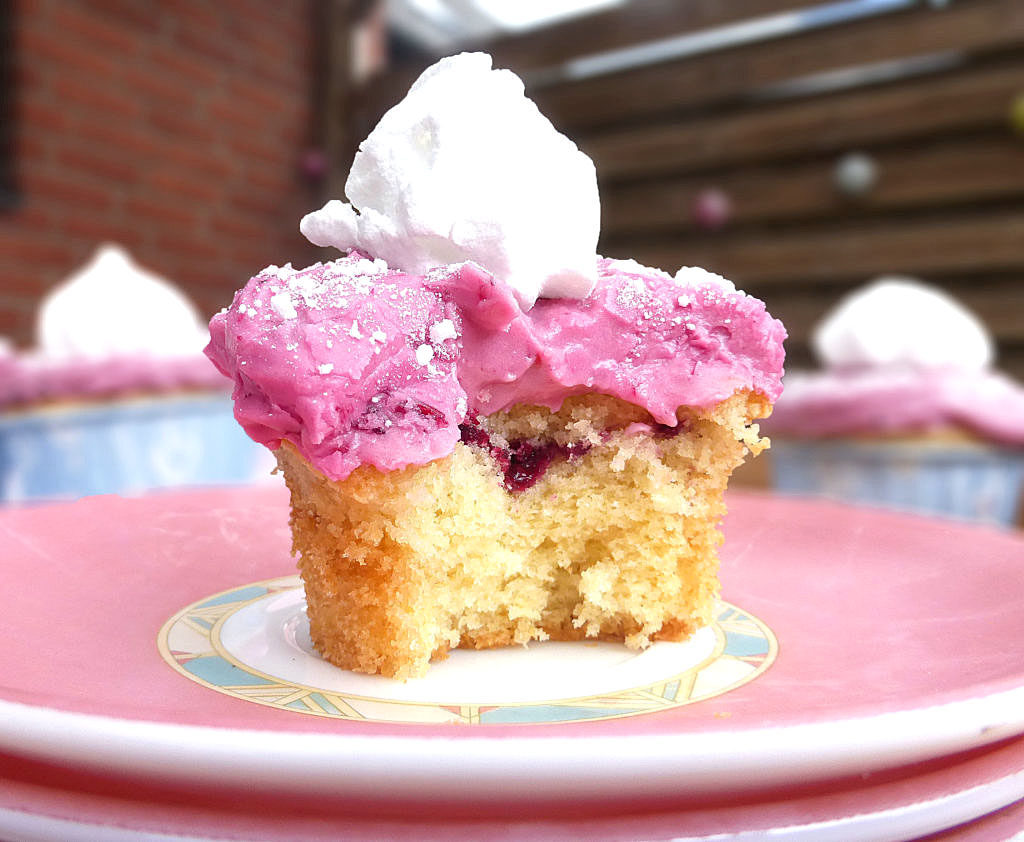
(898, 642)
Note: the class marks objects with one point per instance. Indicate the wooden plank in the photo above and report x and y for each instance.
(1009, 358)
(632, 23)
(977, 243)
(636, 22)
(983, 26)
(947, 102)
(1011, 361)
(961, 170)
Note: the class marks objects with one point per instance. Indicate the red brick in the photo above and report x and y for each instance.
(191, 279)
(161, 262)
(183, 127)
(279, 180)
(75, 191)
(72, 21)
(160, 89)
(30, 77)
(32, 248)
(241, 229)
(209, 160)
(198, 248)
(141, 16)
(185, 185)
(275, 99)
(96, 229)
(276, 30)
(260, 150)
(17, 316)
(37, 45)
(163, 210)
(31, 214)
(216, 45)
(239, 116)
(195, 15)
(289, 21)
(84, 94)
(197, 74)
(33, 148)
(257, 203)
(133, 138)
(37, 114)
(175, 130)
(26, 9)
(99, 162)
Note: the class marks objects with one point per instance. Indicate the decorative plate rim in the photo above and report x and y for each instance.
(308, 699)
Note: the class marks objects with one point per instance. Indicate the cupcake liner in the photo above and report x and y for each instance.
(66, 452)
(963, 481)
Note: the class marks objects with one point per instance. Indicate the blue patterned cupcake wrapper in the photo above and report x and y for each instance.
(966, 482)
(125, 448)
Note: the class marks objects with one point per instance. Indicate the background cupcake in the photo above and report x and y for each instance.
(116, 397)
(908, 411)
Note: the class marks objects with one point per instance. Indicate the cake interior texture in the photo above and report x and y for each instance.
(590, 522)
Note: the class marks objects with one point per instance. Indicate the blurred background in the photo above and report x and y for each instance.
(798, 148)
(196, 134)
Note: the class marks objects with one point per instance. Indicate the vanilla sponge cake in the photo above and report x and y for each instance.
(593, 531)
(491, 434)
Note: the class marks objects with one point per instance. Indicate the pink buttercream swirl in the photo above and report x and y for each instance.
(29, 380)
(891, 400)
(358, 364)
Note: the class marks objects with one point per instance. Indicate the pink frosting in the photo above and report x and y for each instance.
(27, 380)
(900, 400)
(357, 364)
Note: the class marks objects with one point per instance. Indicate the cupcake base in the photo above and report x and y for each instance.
(955, 478)
(125, 446)
(592, 521)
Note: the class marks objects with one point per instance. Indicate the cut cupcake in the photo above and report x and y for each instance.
(508, 446)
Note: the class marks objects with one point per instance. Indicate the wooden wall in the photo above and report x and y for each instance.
(948, 205)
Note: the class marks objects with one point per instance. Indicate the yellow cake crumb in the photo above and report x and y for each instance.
(619, 543)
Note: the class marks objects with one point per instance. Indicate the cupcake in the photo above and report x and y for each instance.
(490, 434)
(907, 411)
(117, 396)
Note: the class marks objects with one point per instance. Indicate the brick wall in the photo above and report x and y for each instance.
(175, 127)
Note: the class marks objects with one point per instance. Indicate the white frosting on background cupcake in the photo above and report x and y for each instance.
(899, 321)
(112, 307)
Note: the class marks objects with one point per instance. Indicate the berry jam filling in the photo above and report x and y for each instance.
(524, 461)
(663, 431)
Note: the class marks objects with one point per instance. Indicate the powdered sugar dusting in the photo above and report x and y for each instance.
(442, 331)
(282, 304)
(424, 354)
